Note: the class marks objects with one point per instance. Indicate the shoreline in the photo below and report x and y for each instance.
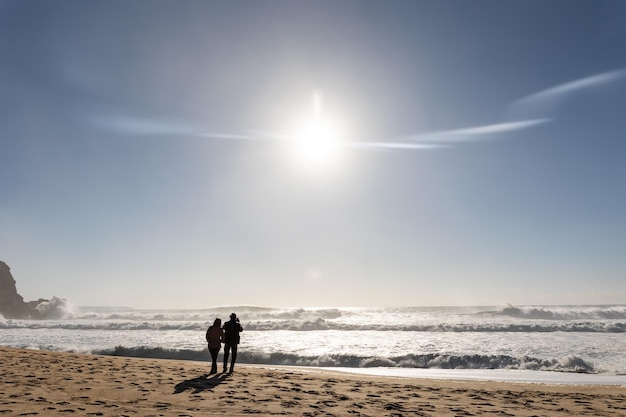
(56, 383)
(494, 375)
(462, 374)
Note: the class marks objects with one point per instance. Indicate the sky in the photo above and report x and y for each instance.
(281, 153)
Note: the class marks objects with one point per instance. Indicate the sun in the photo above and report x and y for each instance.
(316, 140)
(316, 143)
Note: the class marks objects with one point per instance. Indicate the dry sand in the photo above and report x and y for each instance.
(54, 384)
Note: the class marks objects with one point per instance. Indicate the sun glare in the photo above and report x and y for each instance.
(315, 142)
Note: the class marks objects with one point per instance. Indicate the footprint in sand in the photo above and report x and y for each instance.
(460, 411)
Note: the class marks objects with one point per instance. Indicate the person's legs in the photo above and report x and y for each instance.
(226, 353)
(214, 352)
(234, 358)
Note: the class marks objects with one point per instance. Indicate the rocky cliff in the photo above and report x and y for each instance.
(12, 305)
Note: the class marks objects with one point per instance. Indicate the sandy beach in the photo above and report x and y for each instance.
(52, 384)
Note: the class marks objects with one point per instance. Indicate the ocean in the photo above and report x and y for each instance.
(561, 344)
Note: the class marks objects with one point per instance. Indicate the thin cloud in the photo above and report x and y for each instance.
(546, 101)
(476, 133)
(431, 140)
(128, 125)
(390, 145)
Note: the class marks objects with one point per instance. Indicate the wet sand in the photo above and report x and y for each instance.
(54, 384)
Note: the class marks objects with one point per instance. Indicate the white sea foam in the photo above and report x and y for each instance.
(574, 339)
(55, 308)
(516, 376)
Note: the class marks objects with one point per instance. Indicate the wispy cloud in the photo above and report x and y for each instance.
(137, 126)
(475, 133)
(541, 105)
(546, 101)
(391, 145)
(127, 125)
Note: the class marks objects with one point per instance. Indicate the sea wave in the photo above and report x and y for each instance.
(321, 324)
(423, 361)
(55, 308)
(563, 312)
(319, 318)
(249, 312)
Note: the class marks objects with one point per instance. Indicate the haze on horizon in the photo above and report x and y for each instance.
(331, 153)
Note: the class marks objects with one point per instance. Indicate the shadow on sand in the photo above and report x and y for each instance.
(202, 383)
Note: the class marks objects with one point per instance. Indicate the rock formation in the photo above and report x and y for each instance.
(12, 305)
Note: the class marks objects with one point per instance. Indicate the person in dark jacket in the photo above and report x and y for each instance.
(214, 338)
(232, 328)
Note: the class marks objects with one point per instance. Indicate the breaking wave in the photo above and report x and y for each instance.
(55, 308)
(423, 361)
(564, 313)
(586, 339)
(321, 324)
(250, 313)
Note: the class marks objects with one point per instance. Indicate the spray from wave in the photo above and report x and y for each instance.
(56, 308)
(565, 313)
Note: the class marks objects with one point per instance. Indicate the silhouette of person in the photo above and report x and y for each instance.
(215, 337)
(232, 328)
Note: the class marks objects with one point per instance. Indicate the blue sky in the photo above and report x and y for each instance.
(148, 153)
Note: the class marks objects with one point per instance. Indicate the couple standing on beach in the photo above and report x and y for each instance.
(229, 334)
